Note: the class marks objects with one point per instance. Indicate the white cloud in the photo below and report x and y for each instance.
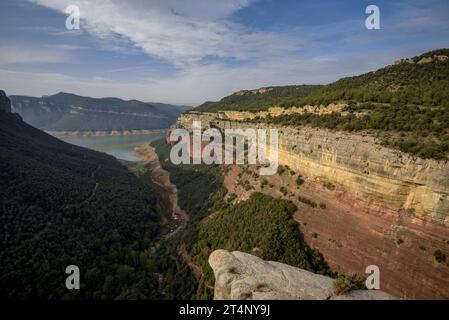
(24, 54)
(181, 32)
(186, 33)
(193, 84)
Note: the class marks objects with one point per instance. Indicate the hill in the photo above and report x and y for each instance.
(405, 105)
(421, 80)
(70, 112)
(63, 205)
(259, 99)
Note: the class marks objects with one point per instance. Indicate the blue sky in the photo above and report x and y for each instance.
(190, 51)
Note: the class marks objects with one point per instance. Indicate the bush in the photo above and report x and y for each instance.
(281, 170)
(299, 181)
(284, 191)
(344, 284)
(232, 197)
(307, 201)
(440, 257)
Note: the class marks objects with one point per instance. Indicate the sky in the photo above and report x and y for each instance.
(191, 51)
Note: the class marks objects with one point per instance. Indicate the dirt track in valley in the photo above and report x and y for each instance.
(167, 193)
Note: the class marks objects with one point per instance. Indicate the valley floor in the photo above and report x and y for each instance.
(167, 193)
(351, 233)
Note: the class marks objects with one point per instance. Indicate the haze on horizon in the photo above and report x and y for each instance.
(187, 52)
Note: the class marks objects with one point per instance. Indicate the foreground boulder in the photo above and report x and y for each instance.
(241, 276)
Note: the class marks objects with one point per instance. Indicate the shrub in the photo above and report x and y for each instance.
(344, 284)
(283, 191)
(281, 170)
(307, 201)
(232, 197)
(299, 181)
(439, 256)
(329, 185)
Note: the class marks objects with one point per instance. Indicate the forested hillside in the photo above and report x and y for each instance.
(262, 226)
(406, 105)
(65, 205)
(69, 112)
(259, 99)
(421, 80)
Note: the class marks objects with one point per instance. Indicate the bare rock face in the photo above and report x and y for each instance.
(241, 276)
(355, 161)
(5, 103)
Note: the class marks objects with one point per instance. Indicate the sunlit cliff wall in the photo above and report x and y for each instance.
(356, 162)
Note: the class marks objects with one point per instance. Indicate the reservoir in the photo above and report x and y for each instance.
(121, 147)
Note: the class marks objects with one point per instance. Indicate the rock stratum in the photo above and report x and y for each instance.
(357, 162)
(241, 276)
(384, 207)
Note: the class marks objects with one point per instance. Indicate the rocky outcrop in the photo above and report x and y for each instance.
(358, 163)
(5, 103)
(242, 276)
(424, 60)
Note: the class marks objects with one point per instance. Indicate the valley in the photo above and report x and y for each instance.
(363, 194)
(362, 179)
(166, 192)
(120, 146)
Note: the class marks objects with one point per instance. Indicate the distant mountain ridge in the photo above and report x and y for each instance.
(70, 112)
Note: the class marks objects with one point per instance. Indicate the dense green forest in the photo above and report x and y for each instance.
(425, 84)
(262, 226)
(257, 100)
(64, 205)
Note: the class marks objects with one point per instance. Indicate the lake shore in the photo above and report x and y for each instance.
(105, 133)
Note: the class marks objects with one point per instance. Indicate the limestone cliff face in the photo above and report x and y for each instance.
(5, 103)
(358, 163)
(242, 276)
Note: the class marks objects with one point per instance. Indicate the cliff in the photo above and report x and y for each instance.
(242, 276)
(356, 162)
(5, 103)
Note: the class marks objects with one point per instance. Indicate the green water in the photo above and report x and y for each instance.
(121, 147)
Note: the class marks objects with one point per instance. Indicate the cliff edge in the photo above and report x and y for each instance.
(5, 103)
(241, 276)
